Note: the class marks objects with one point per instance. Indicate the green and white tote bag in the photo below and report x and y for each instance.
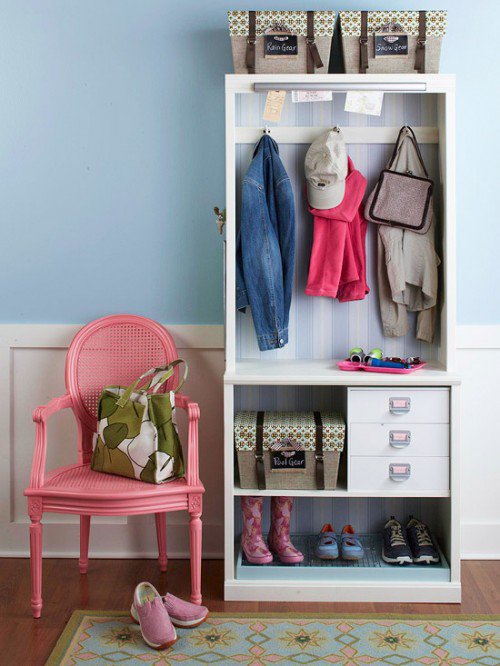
(137, 433)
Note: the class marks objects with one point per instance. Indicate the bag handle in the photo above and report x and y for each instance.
(168, 372)
(157, 385)
(313, 56)
(399, 143)
(251, 41)
(421, 42)
(363, 43)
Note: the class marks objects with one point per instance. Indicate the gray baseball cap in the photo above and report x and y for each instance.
(326, 170)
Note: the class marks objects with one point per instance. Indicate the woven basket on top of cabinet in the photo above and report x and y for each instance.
(289, 450)
(404, 41)
(281, 42)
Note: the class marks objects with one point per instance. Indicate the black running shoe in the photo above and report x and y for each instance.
(396, 549)
(421, 542)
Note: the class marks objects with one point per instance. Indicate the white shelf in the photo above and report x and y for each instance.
(352, 135)
(325, 372)
(338, 492)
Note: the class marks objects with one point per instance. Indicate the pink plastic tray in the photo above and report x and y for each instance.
(350, 366)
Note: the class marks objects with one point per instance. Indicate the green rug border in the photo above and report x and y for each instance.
(77, 616)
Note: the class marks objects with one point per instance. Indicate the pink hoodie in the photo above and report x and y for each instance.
(338, 258)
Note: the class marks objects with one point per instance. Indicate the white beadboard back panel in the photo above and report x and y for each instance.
(366, 515)
(323, 327)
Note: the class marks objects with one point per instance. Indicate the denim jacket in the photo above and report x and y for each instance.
(266, 245)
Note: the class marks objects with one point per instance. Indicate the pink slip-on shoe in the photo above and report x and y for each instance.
(279, 535)
(156, 628)
(253, 544)
(183, 614)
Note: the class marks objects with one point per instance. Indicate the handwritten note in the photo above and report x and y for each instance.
(274, 105)
(312, 96)
(363, 101)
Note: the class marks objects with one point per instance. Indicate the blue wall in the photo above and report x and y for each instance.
(112, 155)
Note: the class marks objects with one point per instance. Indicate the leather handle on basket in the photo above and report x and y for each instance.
(251, 41)
(320, 465)
(313, 56)
(421, 42)
(259, 452)
(363, 43)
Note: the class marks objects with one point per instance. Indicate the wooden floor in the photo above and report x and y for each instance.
(109, 585)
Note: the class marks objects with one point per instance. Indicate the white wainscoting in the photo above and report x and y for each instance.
(32, 371)
(478, 362)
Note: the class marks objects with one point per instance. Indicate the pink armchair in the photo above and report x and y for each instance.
(111, 350)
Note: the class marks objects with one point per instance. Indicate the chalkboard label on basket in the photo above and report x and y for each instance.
(280, 45)
(288, 461)
(391, 45)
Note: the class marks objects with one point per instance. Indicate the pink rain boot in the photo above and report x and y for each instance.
(252, 542)
(279, 534)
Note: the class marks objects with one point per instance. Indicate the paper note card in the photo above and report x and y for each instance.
(274, 105)
(364, 101)
(312, 96)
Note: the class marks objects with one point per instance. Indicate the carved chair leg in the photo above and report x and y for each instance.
(161, 535)
(36, 565)
(195, 534)
(83, 562)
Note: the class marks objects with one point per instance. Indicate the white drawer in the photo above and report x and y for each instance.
(390, 439)
(398, 405)
(422, 474)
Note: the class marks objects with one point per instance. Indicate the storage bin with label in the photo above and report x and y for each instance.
(275, 42)
(289, 450)
(392, 42)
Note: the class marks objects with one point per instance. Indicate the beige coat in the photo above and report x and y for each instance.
(407, 268)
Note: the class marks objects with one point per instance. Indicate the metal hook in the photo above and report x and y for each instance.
(266, 130)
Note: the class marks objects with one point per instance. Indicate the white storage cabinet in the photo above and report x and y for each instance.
(401, 454)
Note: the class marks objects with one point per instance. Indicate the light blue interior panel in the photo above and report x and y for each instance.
(323, 327)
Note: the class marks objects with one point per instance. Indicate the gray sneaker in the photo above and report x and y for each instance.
(421, 542)
(396, 549)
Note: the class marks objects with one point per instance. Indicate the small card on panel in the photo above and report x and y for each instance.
(312, 96)
(274, 105)
(368, 102)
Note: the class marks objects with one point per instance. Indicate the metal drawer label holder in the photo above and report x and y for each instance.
(399, 405)
(399, 439)
(399, 471)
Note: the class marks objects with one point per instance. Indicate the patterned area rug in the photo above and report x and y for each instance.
(264, 639)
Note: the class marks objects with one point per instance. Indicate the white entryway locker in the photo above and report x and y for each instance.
(304, 374)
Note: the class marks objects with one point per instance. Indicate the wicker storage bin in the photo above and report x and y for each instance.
(421, 48)
(289, 450)
(310, 37)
